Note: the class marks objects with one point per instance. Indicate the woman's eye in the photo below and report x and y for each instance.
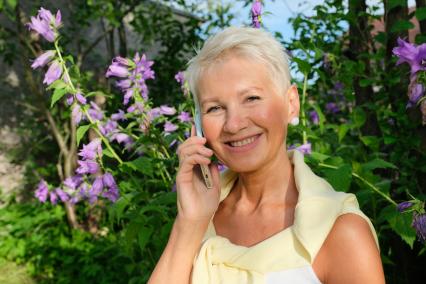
(253, 98)
(213, 109)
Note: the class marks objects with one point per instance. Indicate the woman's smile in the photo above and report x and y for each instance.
(243, 145)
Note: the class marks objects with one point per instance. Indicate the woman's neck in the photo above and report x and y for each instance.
(273, 183)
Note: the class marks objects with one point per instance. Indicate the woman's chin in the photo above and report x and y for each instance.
(244, 166)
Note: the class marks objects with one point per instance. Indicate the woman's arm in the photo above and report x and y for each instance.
(175, 264)
(196, 205)
(349, 255)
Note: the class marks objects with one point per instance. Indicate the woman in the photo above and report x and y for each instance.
(268, 219)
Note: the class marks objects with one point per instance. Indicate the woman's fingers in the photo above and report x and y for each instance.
(214, 170)
(192, 146)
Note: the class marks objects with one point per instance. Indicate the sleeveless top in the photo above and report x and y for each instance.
(287, 256)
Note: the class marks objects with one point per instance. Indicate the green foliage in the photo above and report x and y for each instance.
(378, 168)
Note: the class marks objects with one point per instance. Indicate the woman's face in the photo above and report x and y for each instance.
(244, 116)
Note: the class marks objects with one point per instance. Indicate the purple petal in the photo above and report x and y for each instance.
(166, 110)
(184, 117)
(53, 73)
(43, 59)
(403, 206)
(62, 195)
(53, 197)
(80, 98)
(170, 127)
(117, 71)
(42, 191)
(108, 180)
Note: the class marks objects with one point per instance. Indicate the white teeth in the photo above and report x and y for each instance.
(242, 142)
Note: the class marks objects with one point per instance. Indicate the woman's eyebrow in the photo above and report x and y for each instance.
(249, 89)
(208, 100)
(239, 93)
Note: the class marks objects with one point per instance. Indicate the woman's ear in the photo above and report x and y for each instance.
(293, 102)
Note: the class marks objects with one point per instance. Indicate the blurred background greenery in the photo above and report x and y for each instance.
(365, 140)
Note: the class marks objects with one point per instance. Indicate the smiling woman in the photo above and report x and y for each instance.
(268, 218)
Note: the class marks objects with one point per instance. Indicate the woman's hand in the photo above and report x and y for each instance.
(195, 201)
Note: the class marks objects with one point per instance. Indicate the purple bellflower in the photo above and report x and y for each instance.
(170, 127)
(43, 59)
(73, 182)
(419, 224)
(134, 73)
(80, 98)
(403, 206)
(409, 53)
(256, 13)
(91, 150)
(332, 107)
(53, 73)
(108, 180)
(42, 191)
(180, 78)
(64, 197)
(53, 197)
(415, 92)
(184, 117)
(304, 148)
(166, 110)
(118, 116)
(87, 167)
(76, 114)
(95, 111)
(45, 24)
(314, 117)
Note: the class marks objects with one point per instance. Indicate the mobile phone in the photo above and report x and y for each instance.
(207, 176)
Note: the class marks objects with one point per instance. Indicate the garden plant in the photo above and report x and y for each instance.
(100, 201)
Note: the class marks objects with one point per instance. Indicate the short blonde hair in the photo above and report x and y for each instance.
(249, 42)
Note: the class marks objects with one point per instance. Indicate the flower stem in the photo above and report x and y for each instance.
(374, 188)
(96, 128)
(302, 109)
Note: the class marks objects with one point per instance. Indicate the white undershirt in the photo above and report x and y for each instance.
(301, 275)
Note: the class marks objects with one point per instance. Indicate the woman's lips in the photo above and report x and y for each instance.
(243, 145)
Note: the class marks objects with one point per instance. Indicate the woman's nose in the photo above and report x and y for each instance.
(236, 120)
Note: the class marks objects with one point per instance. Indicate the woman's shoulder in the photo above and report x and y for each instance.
(349, 249)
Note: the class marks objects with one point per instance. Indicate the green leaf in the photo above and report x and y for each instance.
(321, 117)
(400, 223)
(365, 82)
(144, 236)
(359, 117)
(304, 66)
(58, 84)
(107, 153)
(117, 209)
(142, 165)
(11, 3)
(81, 131)
(420, 39)
(395, 3)
(57, 95)
(343, 129)
(421, 13)
(383, 186)
(381, 37)
(339, 178)
(371, 141)
(401, 25)
(378, 163)
(318, 156)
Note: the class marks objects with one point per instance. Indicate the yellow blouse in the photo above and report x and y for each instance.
(318, 206)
